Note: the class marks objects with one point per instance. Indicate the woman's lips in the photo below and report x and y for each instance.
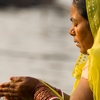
(77, 43)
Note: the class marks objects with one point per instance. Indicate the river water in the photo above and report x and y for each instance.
(35, 42)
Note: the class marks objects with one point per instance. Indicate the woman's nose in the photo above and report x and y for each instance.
(72, 32)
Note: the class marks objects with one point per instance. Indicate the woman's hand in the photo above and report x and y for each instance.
(19, 88)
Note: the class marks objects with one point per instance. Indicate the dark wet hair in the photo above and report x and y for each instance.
(81, 7)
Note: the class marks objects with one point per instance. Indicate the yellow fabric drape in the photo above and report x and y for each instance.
(93, 12)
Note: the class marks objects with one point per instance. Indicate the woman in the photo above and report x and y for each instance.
(84, 15)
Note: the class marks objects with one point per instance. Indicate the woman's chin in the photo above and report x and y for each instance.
(83, 51)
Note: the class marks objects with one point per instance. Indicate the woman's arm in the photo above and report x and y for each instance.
(22, 87)
(29, 88)
(82, 92)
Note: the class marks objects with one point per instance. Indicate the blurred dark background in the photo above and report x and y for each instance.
(24, 3)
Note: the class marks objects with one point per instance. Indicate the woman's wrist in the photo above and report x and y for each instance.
(59, 91)
(44, 93)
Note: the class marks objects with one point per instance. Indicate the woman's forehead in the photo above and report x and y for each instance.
(74, 14)
(73, 11)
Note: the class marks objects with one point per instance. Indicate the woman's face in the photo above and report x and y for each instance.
(80, 31)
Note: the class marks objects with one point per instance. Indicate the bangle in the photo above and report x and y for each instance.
(47, 92)
(53, 98)
(44, 93)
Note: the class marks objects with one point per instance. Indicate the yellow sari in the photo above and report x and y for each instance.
(93, 12)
